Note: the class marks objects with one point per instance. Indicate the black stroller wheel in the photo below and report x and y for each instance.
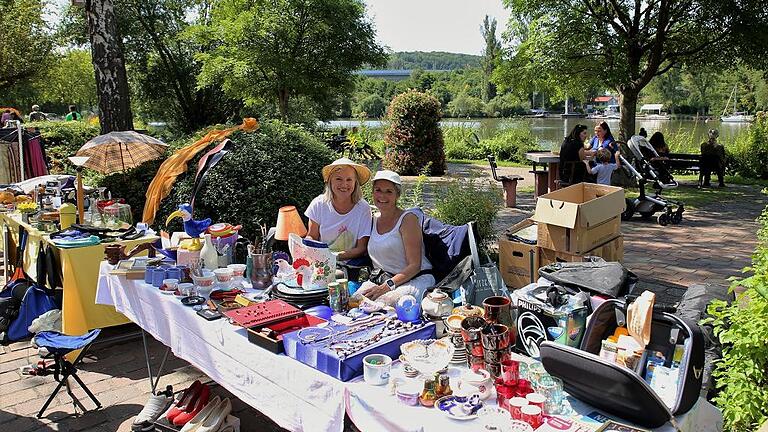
(663, 219)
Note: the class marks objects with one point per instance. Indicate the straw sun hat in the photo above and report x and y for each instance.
(363, 173)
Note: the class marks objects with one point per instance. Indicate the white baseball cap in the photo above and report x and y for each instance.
(388, 175)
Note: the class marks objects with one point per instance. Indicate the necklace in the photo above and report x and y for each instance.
(392, 327)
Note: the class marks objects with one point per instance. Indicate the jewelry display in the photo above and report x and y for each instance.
(346, 347)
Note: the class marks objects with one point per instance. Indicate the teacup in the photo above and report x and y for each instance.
(376, 369)
(479, 382)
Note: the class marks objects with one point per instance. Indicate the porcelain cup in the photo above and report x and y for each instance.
(376, 368)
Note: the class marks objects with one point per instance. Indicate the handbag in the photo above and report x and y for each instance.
(379, 276)
(486, 282)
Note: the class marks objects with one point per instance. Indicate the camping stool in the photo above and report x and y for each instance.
(542, 182)
(58, 346)
(509, 183)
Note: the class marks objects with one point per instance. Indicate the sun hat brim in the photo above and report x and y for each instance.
(363, 173)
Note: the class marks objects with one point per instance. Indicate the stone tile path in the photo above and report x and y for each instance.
(711, 245)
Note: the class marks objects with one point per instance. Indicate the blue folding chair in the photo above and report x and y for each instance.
(58, 346)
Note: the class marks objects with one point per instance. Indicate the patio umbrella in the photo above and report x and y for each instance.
(119, 151)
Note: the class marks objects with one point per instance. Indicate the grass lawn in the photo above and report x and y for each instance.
(693, 197)
(485, 162)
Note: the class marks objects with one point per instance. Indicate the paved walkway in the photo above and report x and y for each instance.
(711, 245)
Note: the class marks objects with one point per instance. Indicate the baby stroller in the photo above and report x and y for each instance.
(647, 171)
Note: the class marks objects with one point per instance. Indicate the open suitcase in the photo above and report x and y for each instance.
(621, 391)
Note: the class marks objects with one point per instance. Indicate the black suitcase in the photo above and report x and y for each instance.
(616, 389)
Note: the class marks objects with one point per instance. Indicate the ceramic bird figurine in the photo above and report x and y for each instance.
(192, 227)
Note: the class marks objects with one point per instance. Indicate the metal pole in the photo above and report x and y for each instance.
(21, 150)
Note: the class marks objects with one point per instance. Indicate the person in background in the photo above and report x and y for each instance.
(604, 139)
(5, 117)
(73, 114)
(659, 144)
(341, 217)
(712, 159)
(643, 133)
(604, 168)
(396, 246)
(36, 114)
(572, 153)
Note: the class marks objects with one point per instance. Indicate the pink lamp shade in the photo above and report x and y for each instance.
(289, 222)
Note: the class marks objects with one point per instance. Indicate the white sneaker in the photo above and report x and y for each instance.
(194, 424)
(217, 417)
(155, 406)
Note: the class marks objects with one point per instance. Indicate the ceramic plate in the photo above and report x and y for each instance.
(449, 405)
(192, 300)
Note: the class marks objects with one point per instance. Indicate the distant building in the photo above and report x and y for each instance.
(393, 74)
(602, 102)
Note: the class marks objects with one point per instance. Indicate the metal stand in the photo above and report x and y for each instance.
(153, 383)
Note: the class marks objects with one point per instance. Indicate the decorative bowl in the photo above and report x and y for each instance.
(428, 356)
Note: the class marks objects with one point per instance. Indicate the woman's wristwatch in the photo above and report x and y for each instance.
(390, 283)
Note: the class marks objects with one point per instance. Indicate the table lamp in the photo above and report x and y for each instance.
(289, 222)
(78, 162)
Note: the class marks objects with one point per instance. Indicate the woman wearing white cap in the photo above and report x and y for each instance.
(341, 217)
(396, 246)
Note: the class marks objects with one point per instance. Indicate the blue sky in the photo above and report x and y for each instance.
(434, 25)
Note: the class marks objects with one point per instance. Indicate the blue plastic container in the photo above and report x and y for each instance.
(158, 274)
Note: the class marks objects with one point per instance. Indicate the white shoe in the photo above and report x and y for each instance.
(231, 424)
(194, 424)
(217, 417)
(155, 406)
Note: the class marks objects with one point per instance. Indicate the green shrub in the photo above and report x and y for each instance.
(742, 328)
(275, 166)
(372, 105)
(465, 105)
(413, 138)
(748, 155)
(467, 200)
(510, 144)
(64, 139)
(461, 142)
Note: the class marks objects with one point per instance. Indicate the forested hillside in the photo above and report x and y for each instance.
(435, 60)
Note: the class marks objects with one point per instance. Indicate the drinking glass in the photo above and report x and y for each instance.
(551, 388)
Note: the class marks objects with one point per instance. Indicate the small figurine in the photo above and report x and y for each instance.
(192, 227)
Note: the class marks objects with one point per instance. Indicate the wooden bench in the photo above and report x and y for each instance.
(684, 162)
(509, 183)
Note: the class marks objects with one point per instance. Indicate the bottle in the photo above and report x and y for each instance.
(208, 254)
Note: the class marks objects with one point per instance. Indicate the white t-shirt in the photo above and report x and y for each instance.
(340, 231)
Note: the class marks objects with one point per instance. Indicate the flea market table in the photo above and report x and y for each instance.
(294, 395)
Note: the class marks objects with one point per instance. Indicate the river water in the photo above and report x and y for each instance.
(551, 131)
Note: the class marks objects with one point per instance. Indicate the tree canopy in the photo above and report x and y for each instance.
(272, 51)
(625, 44)
(26, 44)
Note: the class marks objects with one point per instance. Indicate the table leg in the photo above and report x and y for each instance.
(153, 383)
(554, 175)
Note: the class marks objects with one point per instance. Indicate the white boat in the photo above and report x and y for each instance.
(735, 116)
(653, 112)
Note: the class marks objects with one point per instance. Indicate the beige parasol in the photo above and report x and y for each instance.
(119, 151)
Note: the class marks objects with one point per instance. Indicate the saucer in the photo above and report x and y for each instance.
(192, 300)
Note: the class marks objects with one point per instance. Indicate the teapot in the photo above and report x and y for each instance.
(437, 304)
(472, 382)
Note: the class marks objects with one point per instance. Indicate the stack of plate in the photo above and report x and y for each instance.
(459, 357)
(302, 299)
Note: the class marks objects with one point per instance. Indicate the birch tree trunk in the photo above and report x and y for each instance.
(109, 67)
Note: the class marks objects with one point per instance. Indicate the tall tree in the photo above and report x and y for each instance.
(109, 67)
(490, 57)
(276, 50)
(26, 44)
(625, 44)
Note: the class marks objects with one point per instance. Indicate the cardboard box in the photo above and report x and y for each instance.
(518, 261)
(578, 240)
(583, 205)
(610, 251)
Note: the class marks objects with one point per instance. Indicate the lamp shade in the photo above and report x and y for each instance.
(289, 222)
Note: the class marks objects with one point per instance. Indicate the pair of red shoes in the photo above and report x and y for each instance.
(192, 401)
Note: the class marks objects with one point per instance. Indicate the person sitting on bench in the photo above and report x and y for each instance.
(712, 159)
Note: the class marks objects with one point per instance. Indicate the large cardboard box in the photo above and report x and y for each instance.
(518, 261)
(610, 251)
(578, 240)
(583, 205)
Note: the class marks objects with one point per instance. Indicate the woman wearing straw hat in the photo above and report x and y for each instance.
(341, 217)
(396, 246)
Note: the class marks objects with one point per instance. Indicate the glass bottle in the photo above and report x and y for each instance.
(427, 397)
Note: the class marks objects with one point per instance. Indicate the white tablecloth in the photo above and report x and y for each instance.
(373, 408)
(292, 394)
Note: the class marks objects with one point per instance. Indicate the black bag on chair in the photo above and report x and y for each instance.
(621, 391)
